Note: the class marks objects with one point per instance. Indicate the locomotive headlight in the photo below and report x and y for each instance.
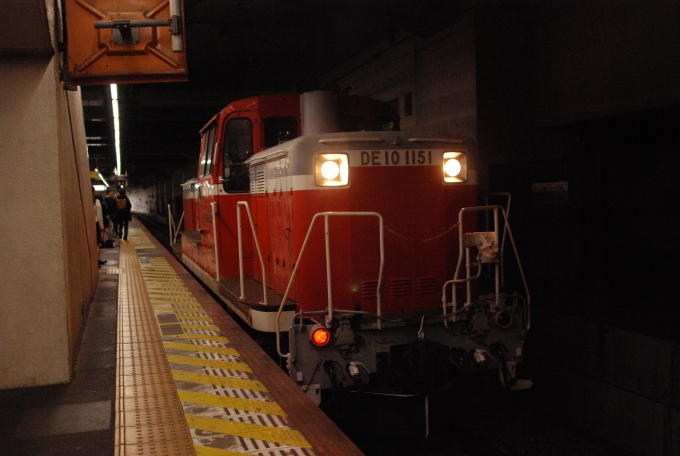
(455, 167)
(331, 170)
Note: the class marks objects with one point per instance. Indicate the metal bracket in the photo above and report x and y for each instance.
(126, 31)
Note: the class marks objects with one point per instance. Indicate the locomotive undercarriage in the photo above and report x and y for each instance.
(410, 355)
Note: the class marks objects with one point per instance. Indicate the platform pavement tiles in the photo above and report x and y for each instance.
(227, 409)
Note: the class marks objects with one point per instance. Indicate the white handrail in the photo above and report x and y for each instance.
(240, 251)
(455, 279)
(171, 223)
(174, 229)
(468, 278)
(505, 231)
(329, 316)
(213, 207)
(179, 224)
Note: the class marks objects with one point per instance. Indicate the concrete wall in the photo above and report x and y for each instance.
(48, 266)
(437, 71)
(601, 58)
(618, 384)
(572, 92)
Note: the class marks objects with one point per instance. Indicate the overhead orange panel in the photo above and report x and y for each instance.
(125, 41)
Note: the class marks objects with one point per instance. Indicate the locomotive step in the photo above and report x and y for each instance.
(230, 288)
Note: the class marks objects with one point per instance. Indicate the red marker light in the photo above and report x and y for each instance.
(320, 337)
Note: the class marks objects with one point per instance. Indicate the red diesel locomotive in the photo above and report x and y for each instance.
(313, 215)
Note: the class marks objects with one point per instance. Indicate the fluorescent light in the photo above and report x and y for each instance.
(102, 179)
(116, 123)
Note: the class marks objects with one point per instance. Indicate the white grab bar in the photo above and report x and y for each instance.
(213, 208)
(329, 316)
(240, 251)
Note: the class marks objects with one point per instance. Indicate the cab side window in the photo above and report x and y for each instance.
(237, 148)
(208, 151)
(278, 130)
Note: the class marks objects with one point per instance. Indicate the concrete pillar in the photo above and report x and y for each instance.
(48, 251)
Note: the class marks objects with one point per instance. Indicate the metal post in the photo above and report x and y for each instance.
(179, 224)
(328, 277)
(170, 223)
(329, 317)
(176, 16)
(427, 417)
(213, 206)
(257, 245)
(240, 254)
(497, 269)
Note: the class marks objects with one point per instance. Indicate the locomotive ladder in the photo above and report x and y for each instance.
(489, 252)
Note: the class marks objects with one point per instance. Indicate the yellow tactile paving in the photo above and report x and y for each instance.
(217, 364)
(206, 379)
(271, 408)
(201, 348)
(247, 430)
(182, 387)
(149, 416)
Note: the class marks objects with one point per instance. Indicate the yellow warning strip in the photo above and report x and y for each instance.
(220, 339)
(171, 293)
(249, 405)
(200, 348)
(190, 299)
(167, 296)
(193, 318)
(206, 379)
(159, 285)
(191, 314)
(203, 327)
(209, 451)
(176, 303)
(248, 430)
(214, 363)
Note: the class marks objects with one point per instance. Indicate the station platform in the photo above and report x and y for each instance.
(162, 369)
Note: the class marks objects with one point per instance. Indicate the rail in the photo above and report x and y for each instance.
(468, 265)
(240, 251)
(329, 316)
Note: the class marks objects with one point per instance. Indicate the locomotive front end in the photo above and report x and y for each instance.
(398, 285)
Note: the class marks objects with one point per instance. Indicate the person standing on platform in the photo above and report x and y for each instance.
(99, 221)
(110, 202)
(124, 206)
(104, 222)
(98, 217)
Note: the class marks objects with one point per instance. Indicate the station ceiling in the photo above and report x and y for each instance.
(239, 48)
